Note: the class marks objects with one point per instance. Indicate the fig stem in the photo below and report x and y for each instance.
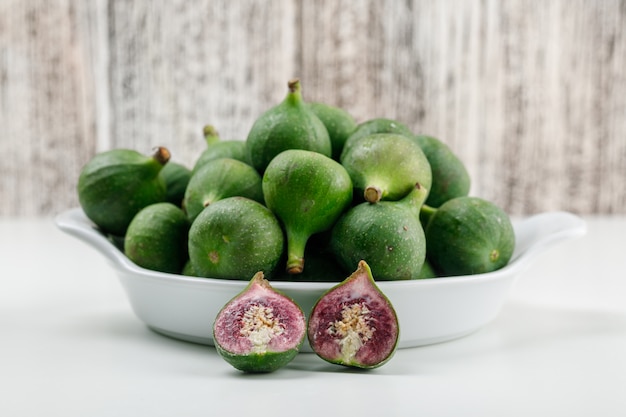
(294, 85)
(295, 252)
(294, 97)
(295, 266)
(161, 154)
(426, 213)
(372, 194)
(210, 134)
(415, 198)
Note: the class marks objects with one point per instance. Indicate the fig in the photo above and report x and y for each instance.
(210, 134)
(260, 329)
(377, 125)
(288, 125)
(188, 269)
(114, 185)
(157, 238)
(308, 192)
(176, 178)
(450, 177)
(339, 123)
(217, 148)
(117, 241)
(427, 271)
(388, 235)
(468, 235)
(354, 324)
(218, 179)
(386, 166)
(321, 266)
(234, 149)
(234, 238)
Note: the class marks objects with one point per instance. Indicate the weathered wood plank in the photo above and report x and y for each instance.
(47, 103)
(530, 94)
(178, 65)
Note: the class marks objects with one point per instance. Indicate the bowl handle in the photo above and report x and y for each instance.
(75, 223)
(537, 233)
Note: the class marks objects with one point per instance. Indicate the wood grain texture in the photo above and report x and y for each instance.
(179, 65)
(47, 103)
(531, 95)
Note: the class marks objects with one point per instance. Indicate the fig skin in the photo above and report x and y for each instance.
(354, 324)
(234, 149)
(386, 166)
(234, 238)
(374, 126)
(218, 148)
(321, 266)
(176, 178)
(427, 271)
(260, 330)
(156, 238)
(288, 125)
(218, 179)
(389, 235)
(308, 192)
(339, 123)
(114, 185)
(468, 235)
(450, 177)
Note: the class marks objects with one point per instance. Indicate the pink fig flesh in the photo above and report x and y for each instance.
(354, 324)
(261, 329)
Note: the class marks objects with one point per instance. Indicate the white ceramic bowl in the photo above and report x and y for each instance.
(429, 311)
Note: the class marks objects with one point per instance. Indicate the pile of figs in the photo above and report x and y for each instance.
(310, 195)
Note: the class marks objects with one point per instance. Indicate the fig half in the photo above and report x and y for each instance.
(260, 330)
(354, 324)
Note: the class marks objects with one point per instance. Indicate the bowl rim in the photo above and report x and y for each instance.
(548, 229)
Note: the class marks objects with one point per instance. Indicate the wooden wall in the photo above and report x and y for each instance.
(530, 94)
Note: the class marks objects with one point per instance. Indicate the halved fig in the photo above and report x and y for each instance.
(260, 329)
(354, 324)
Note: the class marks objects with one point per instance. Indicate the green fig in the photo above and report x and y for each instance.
(388, 235)
(117, 241)
(386, 166)
(308, 192)
(450, 177)
(468, 235)
(378, 125)
(176, 178)
(234, 238)
(114, 185)
(288, 125)
(157, 238)
(233, 149)
(354, 324)
(217, 149)
(218, 179)
(188, 269)
(339, 123)
(321, 266)
(427, 271)
(260, 329)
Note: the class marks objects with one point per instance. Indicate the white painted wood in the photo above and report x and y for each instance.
(47, 108)
(530, 94)
(179, 65)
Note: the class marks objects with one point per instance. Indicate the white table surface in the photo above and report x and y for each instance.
(71, 346)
